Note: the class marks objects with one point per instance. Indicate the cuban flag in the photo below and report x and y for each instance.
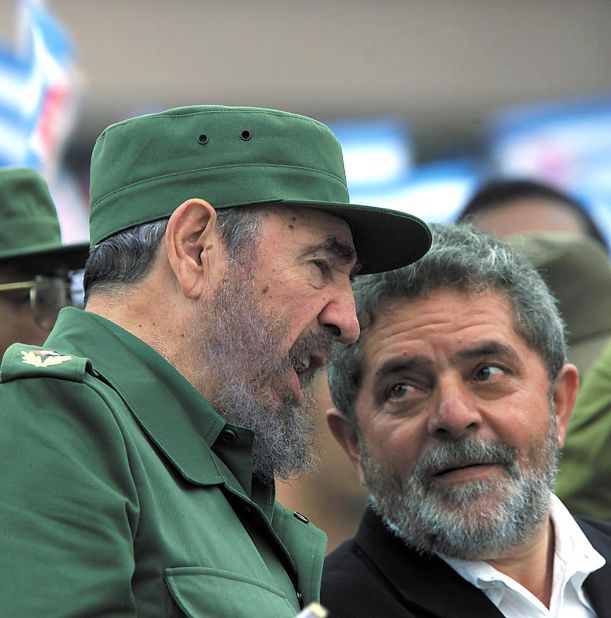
(39, 91)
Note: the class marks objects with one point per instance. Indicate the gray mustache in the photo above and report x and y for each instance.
(463, 452)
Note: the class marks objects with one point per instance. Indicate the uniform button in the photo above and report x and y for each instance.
(229, 436)
(301, 518)
(300, 599)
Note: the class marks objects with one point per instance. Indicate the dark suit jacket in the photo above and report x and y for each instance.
(376, 575)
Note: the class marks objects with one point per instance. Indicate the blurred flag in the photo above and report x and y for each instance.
(39, 91)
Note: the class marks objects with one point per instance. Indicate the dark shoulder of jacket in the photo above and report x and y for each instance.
(354, 587)
(22, 361)
(598, 524)
(340, 566)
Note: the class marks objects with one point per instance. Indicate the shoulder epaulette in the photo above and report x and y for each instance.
(28, 361)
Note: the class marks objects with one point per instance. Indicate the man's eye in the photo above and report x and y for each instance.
(323, 266)
(400, 390)
(487, 373)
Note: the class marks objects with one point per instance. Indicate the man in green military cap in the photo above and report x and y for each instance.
(576, 269)
(140, 446)
(34, 265)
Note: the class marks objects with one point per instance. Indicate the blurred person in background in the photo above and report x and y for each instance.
(584, 481)
(35, 267)
(452, 406)
(509, 206)
(577, 270)
(223, 249)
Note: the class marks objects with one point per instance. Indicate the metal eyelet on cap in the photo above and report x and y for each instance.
(202, 139)
(245, 135)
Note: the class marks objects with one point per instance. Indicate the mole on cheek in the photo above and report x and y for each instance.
(291, 227)
(265, 290)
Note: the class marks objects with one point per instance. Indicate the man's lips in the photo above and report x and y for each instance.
(310, 363)
(304, 370)
(465, 471)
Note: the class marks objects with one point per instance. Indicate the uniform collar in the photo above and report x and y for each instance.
(174, 415)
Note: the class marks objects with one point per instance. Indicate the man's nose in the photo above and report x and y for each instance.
(455, 413)
(339, 316)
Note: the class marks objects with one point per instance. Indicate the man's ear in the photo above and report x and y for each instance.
(565, 393)
(345, 433)
(196, 253)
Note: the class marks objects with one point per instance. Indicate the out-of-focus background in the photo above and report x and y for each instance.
(428, 97)
(439, 90)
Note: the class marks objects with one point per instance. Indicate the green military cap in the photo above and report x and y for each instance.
(142, 169)
(29, 221)
(577, 271)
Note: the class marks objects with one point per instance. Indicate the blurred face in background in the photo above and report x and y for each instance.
(534, 214)
(29, 303)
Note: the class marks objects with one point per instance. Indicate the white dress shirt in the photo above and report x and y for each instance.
(574, 560)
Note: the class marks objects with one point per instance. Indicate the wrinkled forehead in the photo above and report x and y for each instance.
(378, 311)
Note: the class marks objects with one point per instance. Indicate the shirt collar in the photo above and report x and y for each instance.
(574, 554)
(574, 560)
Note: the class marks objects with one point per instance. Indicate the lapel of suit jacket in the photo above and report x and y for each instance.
(598, 584)
(423, 582)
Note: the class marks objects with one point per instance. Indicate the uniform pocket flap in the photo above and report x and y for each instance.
(203, 592)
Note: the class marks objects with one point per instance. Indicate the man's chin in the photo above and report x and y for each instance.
(490, 490)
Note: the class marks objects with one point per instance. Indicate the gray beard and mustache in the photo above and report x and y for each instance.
(479, 519)
(242, 348)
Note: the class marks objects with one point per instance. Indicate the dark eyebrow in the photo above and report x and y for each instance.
(487, 348)
(335, 249)
(397, 365)
(484, 349)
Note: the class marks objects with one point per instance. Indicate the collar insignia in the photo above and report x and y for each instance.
(42, 358)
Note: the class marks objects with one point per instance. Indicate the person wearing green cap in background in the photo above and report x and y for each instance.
(34, 265)
(577, 270)
(154, 422)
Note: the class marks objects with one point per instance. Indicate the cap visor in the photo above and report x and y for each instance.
(73, 256)
(384, 239)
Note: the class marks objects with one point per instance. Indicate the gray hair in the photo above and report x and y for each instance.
(126, 257)
(467, 260)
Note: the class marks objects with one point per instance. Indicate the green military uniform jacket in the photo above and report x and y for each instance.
(123, 493)
(584, 478)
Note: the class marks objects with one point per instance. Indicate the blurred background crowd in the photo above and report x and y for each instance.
(431, 101)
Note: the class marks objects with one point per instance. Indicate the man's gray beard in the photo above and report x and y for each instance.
(241, 348)
(479, 519)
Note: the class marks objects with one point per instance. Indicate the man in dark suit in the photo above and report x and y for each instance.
(452, 406)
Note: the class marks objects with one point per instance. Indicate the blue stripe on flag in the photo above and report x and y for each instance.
(38, 91)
